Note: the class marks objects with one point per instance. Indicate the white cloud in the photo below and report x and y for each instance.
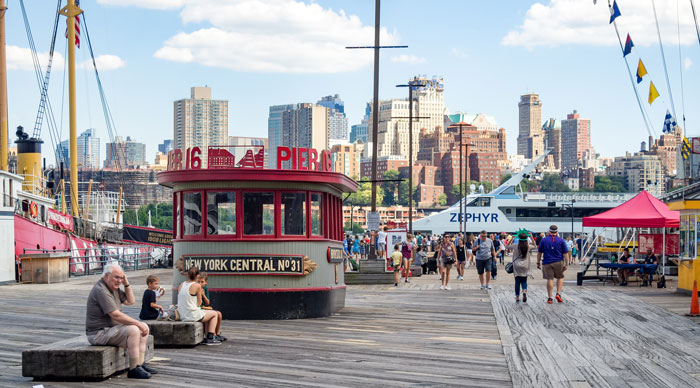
(284, 36)
(403, 58)
(580, 22)
(20, 58)
(687, 63)
(152, 4)
(104, 63)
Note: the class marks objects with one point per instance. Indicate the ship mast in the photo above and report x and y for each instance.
(71, 11)
(3, 91)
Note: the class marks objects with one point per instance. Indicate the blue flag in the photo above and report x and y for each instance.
(669, 123)
(615, 12)
(628, 46)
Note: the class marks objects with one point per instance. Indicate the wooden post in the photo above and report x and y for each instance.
(119, 205)
(87, 202)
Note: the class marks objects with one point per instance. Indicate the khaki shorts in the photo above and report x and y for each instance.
(553, 270)
(115, 336)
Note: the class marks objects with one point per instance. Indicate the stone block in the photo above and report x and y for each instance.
(76, 359)
(176, 333)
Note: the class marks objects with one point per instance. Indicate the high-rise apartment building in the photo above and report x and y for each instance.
(306, 126)
(530, 139)
(429, 95)
(575, 140)
(200, 121)
(125, 154)
(347, 158)
(642, 171)
(337, 121)
(88, 150)
(551, 130)
(274, 130)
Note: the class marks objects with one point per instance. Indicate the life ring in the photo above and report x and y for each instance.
(33, 209)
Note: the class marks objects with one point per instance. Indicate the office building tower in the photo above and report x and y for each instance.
(166, 147)
(306, 126)
(337, 120)
(361, 131)
(200, 122)
(125, 154)
(88, 150)
(530, 139)
(274, 131)
(551, 130)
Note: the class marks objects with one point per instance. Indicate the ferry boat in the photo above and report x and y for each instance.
(507, 209)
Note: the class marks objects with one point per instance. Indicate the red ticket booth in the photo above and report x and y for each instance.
(270, 239)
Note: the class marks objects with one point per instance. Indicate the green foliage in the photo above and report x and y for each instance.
(161, 216)
(442, 199)
(363, 196)
(551, 183)
(504, 178)
(390, 189)
(403, 193)
(356, 228)
(610, 184)
(488, 186)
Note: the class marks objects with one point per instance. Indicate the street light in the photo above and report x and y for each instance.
(570, 205)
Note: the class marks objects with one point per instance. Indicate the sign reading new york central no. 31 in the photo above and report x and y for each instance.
(247, 264)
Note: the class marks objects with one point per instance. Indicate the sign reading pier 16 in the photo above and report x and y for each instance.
(246, 264)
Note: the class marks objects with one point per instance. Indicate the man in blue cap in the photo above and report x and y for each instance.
(554, 250)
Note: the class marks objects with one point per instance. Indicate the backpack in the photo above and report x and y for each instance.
(662, 282)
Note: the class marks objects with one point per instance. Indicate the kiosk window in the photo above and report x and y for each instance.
(258, 213)
(192, 215)
(316, 214)
(176, 226)
(293, 214)
(221, 213)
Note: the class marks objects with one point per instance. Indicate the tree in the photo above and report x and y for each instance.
(504, 178)
(442, 199)
(390, 188)
(356, 228)
(403, 193)
(610, 184)
(161, 216)
(551, 183)
(363, 196)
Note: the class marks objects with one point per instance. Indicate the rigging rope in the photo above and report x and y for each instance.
(695, 18)
(663, 58)
(629, 71)
(680, 64)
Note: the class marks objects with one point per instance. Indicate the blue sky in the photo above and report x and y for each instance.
(257, 53)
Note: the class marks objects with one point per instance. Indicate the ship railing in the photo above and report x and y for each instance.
(130, 258)
(579, 197)
(36, 184)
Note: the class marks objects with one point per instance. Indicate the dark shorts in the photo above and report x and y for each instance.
(553, 270)
(483, 265)
(461, 261)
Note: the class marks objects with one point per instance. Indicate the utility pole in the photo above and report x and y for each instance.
(410, 86)
(375, 102)
(462, 204)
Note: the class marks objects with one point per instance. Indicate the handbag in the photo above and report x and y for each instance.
(449, 260)
(509, 267)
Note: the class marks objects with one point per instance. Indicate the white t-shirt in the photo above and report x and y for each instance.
(381, 237)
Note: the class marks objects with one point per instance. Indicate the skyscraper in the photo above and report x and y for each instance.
(166, 147)
(306, 126)
(575, 140)
(200, 121)
(429, 102)
(337, 121)
(274, 131)
(361, 131)
(530, 139)
(125, 154)
(88, 150)
(552, 140)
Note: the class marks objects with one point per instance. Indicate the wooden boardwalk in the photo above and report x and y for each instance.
(385, 337)
(597, 338)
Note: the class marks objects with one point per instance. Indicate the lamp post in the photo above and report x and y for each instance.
(571, 206)
(462, 205)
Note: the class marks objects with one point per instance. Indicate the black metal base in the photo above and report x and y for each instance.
(241, 304)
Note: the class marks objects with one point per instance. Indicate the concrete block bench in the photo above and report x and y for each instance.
(176, 333)
(76, 359)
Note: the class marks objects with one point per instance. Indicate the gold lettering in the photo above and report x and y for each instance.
(267, 266)
(259, 265)
(246, 265)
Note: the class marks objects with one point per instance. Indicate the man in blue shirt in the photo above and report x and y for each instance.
(554, 250)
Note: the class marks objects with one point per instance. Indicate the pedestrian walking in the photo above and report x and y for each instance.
(497, 251)
(447, 258)
(484, 251)
(461, 258)
(408, 250)
(522, 245)
(554, 250)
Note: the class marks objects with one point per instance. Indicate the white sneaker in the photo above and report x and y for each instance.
(482, 287)
(448, 288)
(442, 287)
(488, 287)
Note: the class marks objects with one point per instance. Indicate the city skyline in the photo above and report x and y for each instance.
(486, 65)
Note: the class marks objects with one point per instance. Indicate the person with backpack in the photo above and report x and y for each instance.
(522, 245)
(408, 250)
(555, 251)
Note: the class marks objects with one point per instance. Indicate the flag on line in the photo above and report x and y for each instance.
(628, 46)
(615, 12)
(653, 93)
(641, 71)
(669, 123)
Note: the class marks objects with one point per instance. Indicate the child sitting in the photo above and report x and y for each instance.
(149, 308)
(205, 291)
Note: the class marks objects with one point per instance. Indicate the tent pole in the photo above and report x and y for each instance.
(663, 254)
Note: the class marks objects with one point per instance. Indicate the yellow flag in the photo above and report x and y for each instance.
(653, 93)
(641, 71)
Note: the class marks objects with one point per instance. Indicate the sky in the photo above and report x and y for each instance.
(257, 53)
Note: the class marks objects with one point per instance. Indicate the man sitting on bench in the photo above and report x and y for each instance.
(106, 324)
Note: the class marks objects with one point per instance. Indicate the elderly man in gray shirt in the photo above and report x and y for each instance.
(484, 252)
(106, 324)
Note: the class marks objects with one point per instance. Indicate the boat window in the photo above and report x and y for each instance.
(221, 213)
(484, 202)
(510, 190)
(258, 213)
(473, 202)
(293, 214)
(192, 215)
(316, 207)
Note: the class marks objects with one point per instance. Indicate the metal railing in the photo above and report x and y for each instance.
(130, 258)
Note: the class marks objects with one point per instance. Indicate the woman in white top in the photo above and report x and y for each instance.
(189, 298)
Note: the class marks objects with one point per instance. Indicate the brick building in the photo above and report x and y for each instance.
(384, 164)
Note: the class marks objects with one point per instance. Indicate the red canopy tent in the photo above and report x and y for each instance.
(642, 211)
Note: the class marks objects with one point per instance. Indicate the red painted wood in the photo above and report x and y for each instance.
(275, 289)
